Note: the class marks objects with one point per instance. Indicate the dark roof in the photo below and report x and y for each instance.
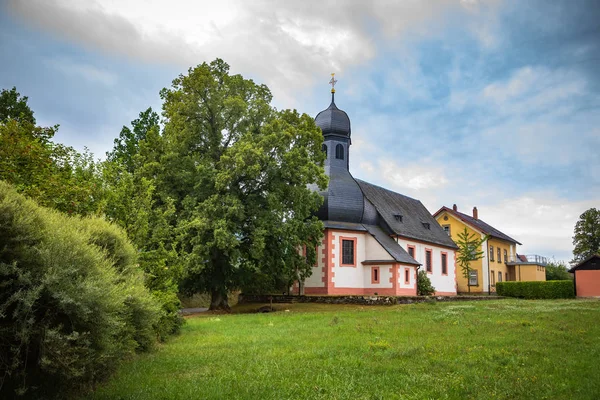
(478, 224)
(344, 225)
(393, 248)
(333, 121)
(343, 200)
(590, 263)
(414, 215)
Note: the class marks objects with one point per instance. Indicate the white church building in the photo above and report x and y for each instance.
(375, 239)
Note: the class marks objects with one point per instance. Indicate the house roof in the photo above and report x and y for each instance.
(590, 263)
(390, 245)
(478, 224)
(405, 216)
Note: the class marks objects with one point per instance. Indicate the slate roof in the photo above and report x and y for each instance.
(413, 215)
(344, 225)
(334, 121)
(478, 224)
(390, 245)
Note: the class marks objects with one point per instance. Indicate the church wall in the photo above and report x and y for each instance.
(347, 276)
(444, 284)
(374, 251)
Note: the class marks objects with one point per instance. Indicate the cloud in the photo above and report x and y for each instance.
(284, 44)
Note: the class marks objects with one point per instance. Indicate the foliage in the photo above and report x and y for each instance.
(14, 106)
(468, 250)
(238, 173)
(55, 175)
(324, 351)
(557, 271)
(537, 289)
(587, 235)
(145, 213)
(424, 287)
(72, 302)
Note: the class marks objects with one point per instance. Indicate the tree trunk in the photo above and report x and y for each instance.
(219, 301)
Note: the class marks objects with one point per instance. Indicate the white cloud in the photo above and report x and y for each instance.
(284, 44)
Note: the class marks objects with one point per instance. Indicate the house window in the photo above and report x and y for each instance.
(493, 276)
(505, 256)
(406, 276)
(348, 251)
(446, 229)
(506, 276)
(428, 261)
(339, 152)
(324, 149)
(473, 278)
(499, 255)
(491, 253)
(375, 275)
(499, 276)
(411, 251)
(444, 264)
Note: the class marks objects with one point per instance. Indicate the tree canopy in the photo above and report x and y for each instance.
(587, 235)
(238, 172)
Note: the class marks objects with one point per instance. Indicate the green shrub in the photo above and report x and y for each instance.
(71, 306)
(537, 289)
(424, 287)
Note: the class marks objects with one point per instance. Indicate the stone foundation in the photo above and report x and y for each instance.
(365, 300)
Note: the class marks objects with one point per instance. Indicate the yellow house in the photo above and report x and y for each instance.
(500, 260)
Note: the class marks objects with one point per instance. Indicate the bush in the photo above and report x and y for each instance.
(424, 287)
(537, 289)
(72, 303)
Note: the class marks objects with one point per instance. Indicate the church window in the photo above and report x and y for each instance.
(339, 152)
(444, 264)
(406, 276)
(375, 275)
(411, 251)
(324, 149)
(348, 252)
(428, 265)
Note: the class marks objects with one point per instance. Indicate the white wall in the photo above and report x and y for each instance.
(349, 277)
(442, 283)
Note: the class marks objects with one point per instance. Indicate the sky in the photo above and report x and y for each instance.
(486, 103)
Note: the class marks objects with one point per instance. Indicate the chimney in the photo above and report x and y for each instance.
(475, 213)
(454, 207)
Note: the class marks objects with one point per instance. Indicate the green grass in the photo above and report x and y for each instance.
(505, 349)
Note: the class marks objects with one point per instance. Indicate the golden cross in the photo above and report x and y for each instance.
(332, 82)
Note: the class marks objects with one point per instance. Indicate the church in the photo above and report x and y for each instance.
(375, 240)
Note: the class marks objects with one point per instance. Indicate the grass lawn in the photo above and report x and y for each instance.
(505, 349)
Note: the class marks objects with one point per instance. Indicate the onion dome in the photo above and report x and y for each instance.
(333, 121)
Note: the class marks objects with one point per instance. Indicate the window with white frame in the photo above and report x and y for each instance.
(473, 278)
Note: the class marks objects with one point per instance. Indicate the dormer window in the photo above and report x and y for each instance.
(426, 225)
(398, 217)
(339, 152)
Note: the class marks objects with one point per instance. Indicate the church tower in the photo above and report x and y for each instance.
(343, 197)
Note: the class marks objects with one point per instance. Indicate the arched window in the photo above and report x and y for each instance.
(324, 149)
(339, 152)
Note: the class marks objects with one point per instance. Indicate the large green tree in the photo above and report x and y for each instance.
(587, 235)
(469, 250)
(14, 106)
(238, 171)
(557, 271)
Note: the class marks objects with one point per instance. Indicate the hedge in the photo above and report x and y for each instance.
(72, 302)
(537, 289)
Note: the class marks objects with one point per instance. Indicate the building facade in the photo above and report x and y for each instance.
(500, 261)
(375, 239)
